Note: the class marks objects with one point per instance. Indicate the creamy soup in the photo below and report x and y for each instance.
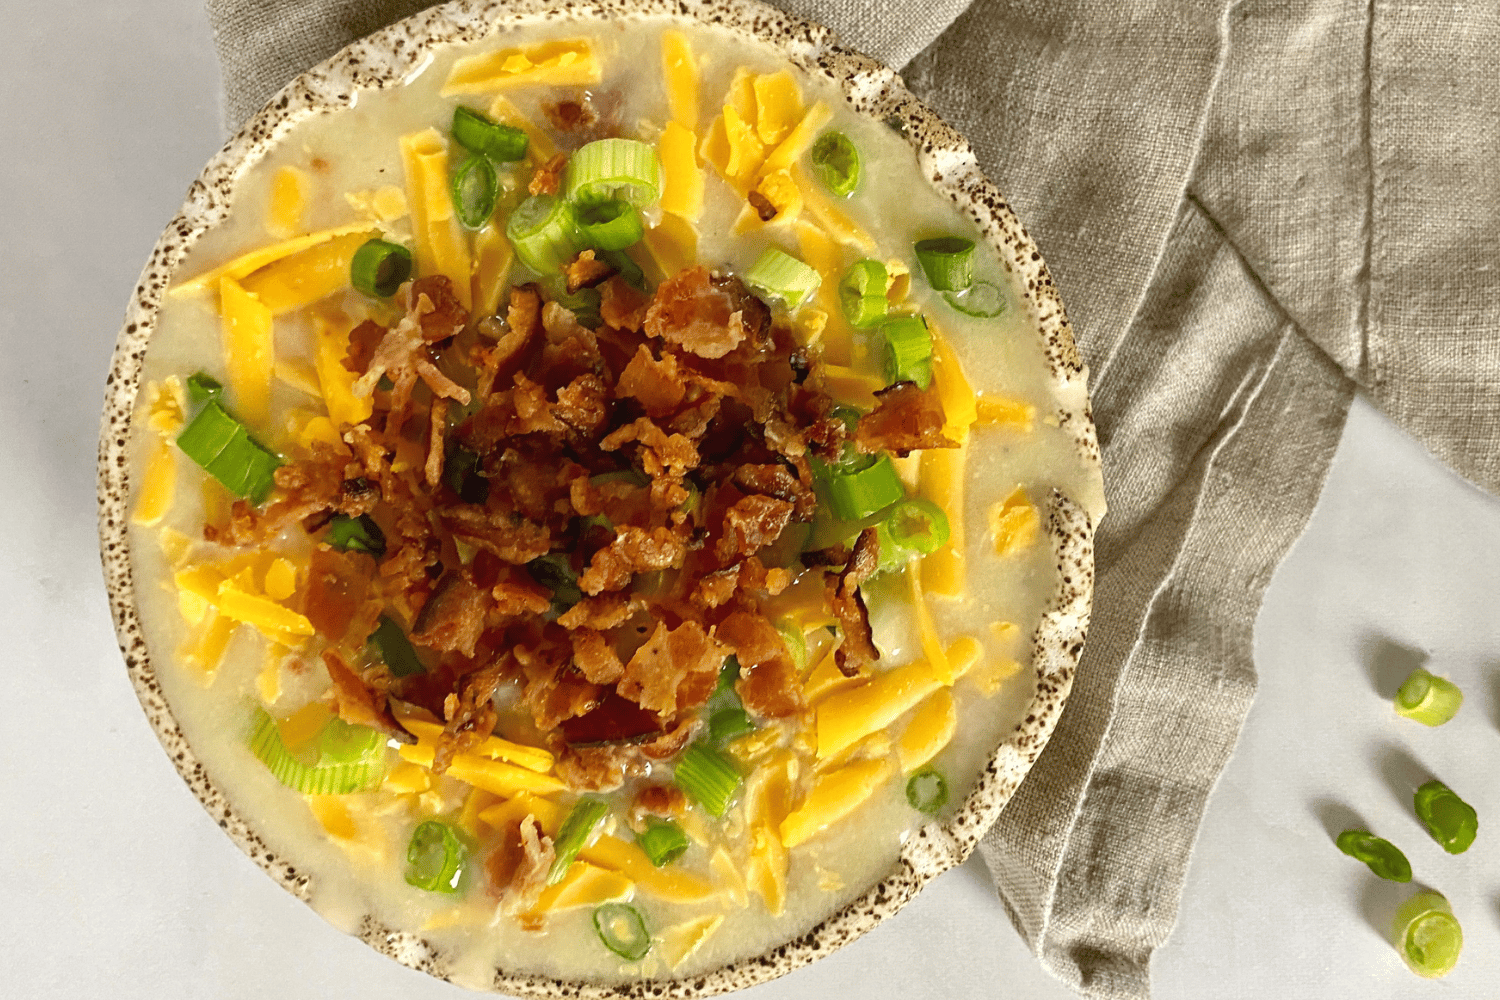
(592, 529)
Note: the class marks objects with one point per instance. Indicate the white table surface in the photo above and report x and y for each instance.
(116, 884)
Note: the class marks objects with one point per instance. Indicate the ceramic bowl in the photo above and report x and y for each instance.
(382, 60)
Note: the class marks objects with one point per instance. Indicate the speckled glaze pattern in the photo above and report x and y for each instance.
(384, 60)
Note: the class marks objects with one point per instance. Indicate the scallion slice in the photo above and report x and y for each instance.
(862, 293)
(927, 791)
(981, 300)
(615, 168)
(623, 930)
(1383, 857)
(356, 534)
(203, 387)
(379, 267)
(908, 351)
(1450, 820)
(1429, 699)
(1428, 935)
(727, 717)
(795, 641)
(435, 857)
(462, 474)
(585, 817)
(554, 572)
(609, 225)
(474, 190)
(779, 275)
(914, 528)
(836, 161)
(663, 841)
(225, 449)
(948, 262)
(856, 495)
(707, 777)
(628, 269)
(477, 133)
(345, 759)
(395, 648)
(543, 232)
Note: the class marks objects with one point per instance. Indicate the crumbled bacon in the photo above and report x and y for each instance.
(597, 768)
(621, 306)
(752, 523)
(363, 340)
(470, 714)
(518, 866)
(605, 611)
(453, 617)
(585, 271)
(665, 801)
(634, 550)
(358, 703)
(548, 176)
(676, 669)
(509, 536)
(689, 310)
(857, 651)
(904, 419)
(442, 315)
(768, 685)
(778, 481)
(656, 384)
(338, 588)
(595, 657)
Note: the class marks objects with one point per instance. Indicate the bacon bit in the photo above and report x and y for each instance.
(656, 384)
(662, 451)
(602, 612)
(533, 414)
(363, 340)
(338, 586)
(634, 550)
(752, 523)
(622, 306)
(595, 657)
(694, 421)
(515, 593)
(904, 419)
(470, 715)
(670, 744)
(762, 205)
(305, 487)
(524, 323)
(583, 405)
(847, 603)
(548, 177)
(778, 481)
(597, 768)
(553, 691)
(585, 271)
(675, 670)
(519, 865)
(717, 588)
(453, 617)
(566, 116)
(358, 704)
(509, 536)
(768, 684)
(442, 315)
(689, 310)
(402, 356)
(614, 720)
(755, 576)
(436, 431)
(665, 801)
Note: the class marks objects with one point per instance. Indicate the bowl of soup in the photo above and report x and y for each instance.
(599, 498)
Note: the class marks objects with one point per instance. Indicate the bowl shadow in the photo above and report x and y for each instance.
(1388, 663)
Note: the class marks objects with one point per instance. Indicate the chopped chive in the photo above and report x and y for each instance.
(948, 262)
(349, 758)
(862, 293)
(707, 777)
(585, 817)
(614, 168)
(908, 351)
(927, 791)
(544, 233)
(356, 534)
(663, 842)
(1383, 857)
(981, 300)
(379, 267)
(609, 225)
(477, 133)
(224, 448)
(203, 388)
(1429, 699)
(623, 930)
(474, 190)
(1428, 935)
(395, 648)
(1450, 820)
(853, 496)
(435, 858)
(836, 161)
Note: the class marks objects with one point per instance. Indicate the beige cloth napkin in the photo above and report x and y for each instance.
(1253, 209)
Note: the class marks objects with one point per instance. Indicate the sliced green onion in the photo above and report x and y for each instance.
(379, 267)
(474, 190)
(477, 133)
(862, 293)
(583, 304)
(346, 759)
(575, 831)
(948, 262)
(203, 387)
(927, 791)
(914, 528)
(1428, 935)
(461, 474)
(1384, 858)
(554, 572)
(795, 641)
(982, 300)
(663, 841)
(358, 534)
(1450, 820)
(395, 648)
(627, 268)
(908, 351)
(779, 275)
(543, 232)
(435, 857)
(1430, 700)
(727, 717)
(623, 930)
(707, 777)
(225, 449)
(856, 495)
(609, 225)
(791, 543)
(615, 168)
(635, 477)
(836, 161)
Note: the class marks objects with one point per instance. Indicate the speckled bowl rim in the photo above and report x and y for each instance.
(383, 60)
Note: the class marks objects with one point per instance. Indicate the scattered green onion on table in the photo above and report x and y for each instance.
(1383, 857)
(1450, 820)
(1427, 698)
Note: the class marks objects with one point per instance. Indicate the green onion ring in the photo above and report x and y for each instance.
(836, 161)
(609, 225)
(478, 133)
(948, 262)
(379, 267)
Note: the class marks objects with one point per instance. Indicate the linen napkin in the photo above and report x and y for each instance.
(1253, 209)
